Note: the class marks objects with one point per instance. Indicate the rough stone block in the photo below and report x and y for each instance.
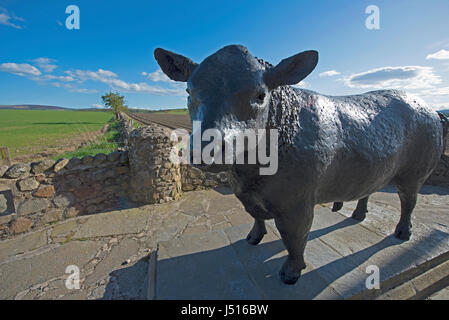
(3, 170)
(73, 163)
(87, 160)
(20, 225)
(45, 192)
(51, 216)
(32, 206)
(114, 156)
(42, 166)
(6, 203)
(64, 200)
(18, 170)
(60, 165)
(28, 184)
(99, 159)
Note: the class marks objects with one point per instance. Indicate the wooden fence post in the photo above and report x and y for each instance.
(5, 157)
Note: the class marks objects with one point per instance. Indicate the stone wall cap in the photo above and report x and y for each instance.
(151, 132)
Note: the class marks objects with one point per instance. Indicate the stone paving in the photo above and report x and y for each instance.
(112, 249)
(443, 294)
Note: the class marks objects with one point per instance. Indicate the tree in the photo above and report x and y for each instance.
(115, 102)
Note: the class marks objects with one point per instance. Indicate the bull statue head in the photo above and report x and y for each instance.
(230, 90)
(232, 84)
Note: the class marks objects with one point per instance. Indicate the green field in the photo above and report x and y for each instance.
(26, 132)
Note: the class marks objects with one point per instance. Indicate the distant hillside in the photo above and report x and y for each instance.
(40, 107)
(31, 107)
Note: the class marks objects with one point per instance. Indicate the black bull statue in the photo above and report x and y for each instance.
(330, 148)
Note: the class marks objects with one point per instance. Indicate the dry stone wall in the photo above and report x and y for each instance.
(40, 193)
(195, 179)
(440, 175)
(125, 128)
(153, 177)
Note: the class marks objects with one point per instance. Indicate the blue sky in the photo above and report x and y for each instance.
(42, 62)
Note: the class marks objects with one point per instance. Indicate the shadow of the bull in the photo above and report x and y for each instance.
(241, 271)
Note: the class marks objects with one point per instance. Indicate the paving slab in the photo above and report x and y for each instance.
(443, 294)
(338, 253)
(204, 254)
(263, 262)
(202, 266)
(27, 242)
(20, 274)
(430, 220)
(114, 259)
(114, 223)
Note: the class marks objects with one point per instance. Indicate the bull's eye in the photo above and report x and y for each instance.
(261, 97)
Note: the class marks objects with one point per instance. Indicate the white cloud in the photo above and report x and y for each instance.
(157, 76)
(441, 106)
(45, 64)
(20, 69)
(439, 55)
(77, 77)
(300, 85)
(5, 20)
(60, 78)
(99, 75)
(83, 90)
(111, 79)
(405, 77)
(97, 105)
(444, 91)
(329, 73)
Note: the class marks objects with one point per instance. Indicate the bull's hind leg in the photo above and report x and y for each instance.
(337, 206)
(257, 232)
(360, 211)
(408, 197)
(294, 228)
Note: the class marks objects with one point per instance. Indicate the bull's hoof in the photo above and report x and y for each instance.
(337, 206)
(254, 238)
(403, 233)
(288, 279)
(358, 215)
(290, 271)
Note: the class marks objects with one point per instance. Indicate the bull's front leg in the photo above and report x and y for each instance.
(257, 232)
(294, 228)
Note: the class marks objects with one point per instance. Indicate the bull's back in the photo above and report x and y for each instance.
(366, 141)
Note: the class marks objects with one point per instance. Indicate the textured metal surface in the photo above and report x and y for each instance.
(330, 148)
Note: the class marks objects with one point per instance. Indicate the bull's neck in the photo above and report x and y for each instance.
(283, 114)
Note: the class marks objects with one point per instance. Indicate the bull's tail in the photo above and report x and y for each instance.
(445, 124)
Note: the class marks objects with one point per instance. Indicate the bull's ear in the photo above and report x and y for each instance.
(291, 70)
(175, 66)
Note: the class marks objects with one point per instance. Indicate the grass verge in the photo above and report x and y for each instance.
(106, 143)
